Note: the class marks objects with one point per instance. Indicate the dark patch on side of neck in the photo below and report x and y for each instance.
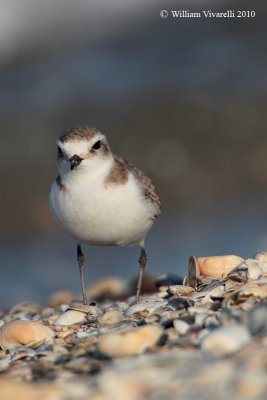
(60, 185)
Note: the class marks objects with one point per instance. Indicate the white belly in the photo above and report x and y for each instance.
(93, 214)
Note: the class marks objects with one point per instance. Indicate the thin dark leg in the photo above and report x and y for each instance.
(80, 259)
(142, 264)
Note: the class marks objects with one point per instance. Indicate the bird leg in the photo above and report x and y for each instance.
(142, 264)
(80, 259)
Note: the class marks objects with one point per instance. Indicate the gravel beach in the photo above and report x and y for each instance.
(201, 339)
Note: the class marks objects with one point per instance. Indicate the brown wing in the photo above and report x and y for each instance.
(149, 189)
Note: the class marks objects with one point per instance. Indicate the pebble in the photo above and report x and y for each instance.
(181, 326)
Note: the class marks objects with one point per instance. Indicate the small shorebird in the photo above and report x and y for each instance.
(100, 198)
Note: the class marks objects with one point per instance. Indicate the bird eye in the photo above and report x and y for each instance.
(97, 145)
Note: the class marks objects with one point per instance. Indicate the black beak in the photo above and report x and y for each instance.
(75, 161)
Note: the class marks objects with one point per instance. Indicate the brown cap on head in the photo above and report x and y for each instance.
(77, 134)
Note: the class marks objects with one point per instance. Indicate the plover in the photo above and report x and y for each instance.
(100, 198)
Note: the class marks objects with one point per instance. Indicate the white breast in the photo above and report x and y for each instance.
(99, 215)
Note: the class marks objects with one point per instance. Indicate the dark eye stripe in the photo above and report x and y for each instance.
(60, 153)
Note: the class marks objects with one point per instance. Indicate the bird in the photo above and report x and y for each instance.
(101, 199)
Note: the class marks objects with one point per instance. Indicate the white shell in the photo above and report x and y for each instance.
(70, 317)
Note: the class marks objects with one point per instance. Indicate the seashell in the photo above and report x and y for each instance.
(163, 289)
(110, 317)
(59, 297)
(239, 273)
(218, 266)
(257, 290)
(21, 352)
(215, 293)
(136, 308)
(193, 272)
(254, 269)
(200, 318)
(48, 313)
(262, 256)
(5, 363)
(70, 317)
(226, 340)
(24, 332)
(163, 292)
(90, 310)
(231, 285)
(133, 342)
(181, 326)
(180, 290)
(151, 301)
(107, 288)
(203, 288)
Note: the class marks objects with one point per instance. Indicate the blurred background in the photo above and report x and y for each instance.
(184, 99)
